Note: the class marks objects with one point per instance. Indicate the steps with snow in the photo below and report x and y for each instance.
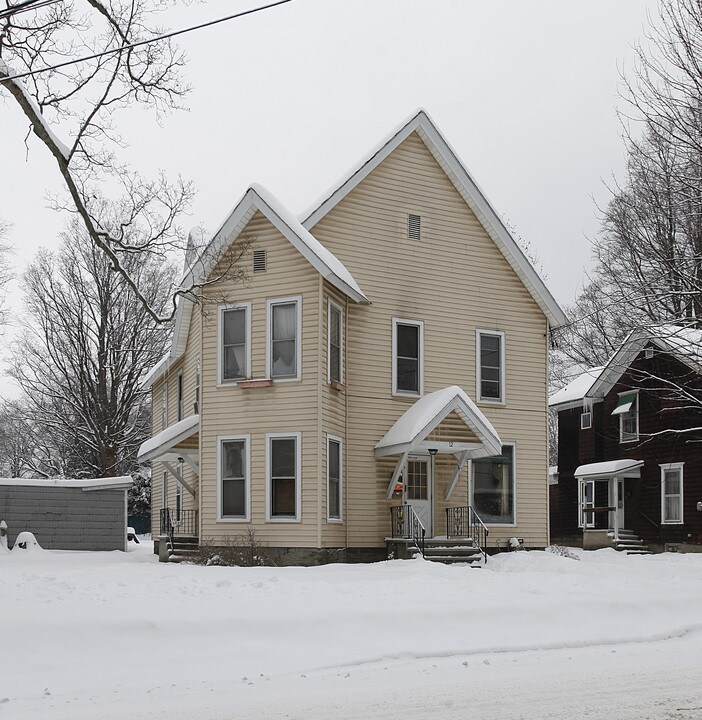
(450, 552)
(183, 547)
(630, 543)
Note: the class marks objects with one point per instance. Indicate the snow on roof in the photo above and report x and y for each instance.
(611, 468)
(166, 439)
(122, 481)
(683, 341)
(475, 198)
(427, 412)
(576, 389)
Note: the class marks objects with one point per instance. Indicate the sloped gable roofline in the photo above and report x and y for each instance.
(256, 198)
(632, 345)
(423, 125)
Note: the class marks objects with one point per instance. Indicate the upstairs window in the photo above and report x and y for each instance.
(672, 494)
(335, 335)
(491, 366)
(407, 357)
(628, 411)
(284, 339)
(234, 342)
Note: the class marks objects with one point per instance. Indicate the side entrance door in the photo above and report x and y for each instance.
(418, 491)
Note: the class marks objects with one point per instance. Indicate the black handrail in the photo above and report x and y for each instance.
(406, 524)
(465, 522)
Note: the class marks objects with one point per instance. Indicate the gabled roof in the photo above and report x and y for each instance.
(422, 124)
(576, 390)
(610, 469)
(427, 412)
(679, 341)
(256, 199)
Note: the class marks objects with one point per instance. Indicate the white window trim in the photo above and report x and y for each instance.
(502, 400)
(340, 519)
(221, 382)
(221, 439)
(340, 310)
(417, 323)
(298, 477)
(585, 520)
(269, 336)
(622, 441)
(586, 414)
(672, 466)
(513, 445)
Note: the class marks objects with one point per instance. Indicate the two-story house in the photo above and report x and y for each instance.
(629, 456)
(388, 350)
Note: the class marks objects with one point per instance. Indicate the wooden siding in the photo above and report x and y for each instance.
(455, 280)
(286, 406)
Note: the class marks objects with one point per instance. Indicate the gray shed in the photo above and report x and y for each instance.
(67, 514)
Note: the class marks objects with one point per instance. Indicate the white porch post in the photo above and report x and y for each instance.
(615, 494)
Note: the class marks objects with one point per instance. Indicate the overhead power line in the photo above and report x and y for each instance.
(165, 36)
(11, 10)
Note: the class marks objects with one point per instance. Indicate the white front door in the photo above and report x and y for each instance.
(620, 503)
(418, 491)
(587, 500)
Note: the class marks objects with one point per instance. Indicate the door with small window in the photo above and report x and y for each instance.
(418, 491)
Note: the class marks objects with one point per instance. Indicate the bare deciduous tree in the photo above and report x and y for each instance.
(89, 341)
(79, 102)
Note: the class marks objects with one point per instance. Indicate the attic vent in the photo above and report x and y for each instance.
(414, 227)
(259, 261)
(648, 353)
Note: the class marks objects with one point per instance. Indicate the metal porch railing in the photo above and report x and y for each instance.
(406, 524)
(465, 522)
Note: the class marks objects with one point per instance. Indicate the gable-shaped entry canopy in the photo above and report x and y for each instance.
(410, 434)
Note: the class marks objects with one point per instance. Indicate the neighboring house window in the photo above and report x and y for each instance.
(407, 357)
(333, 478)
(234, 342)
(586, 495)
(335, 334)
(180, 397)
(493, 487)
(628, 410)
(234, 491)
(283, 471)
(164, 405)
(586, 420)
(491, 366)
(284, 339)
(672, 493)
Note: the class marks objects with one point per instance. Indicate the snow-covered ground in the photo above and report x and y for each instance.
(533, 635)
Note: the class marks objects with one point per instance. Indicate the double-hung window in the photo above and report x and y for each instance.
(491, 366)
(234, 342)
(283, 476)
(335, 331)
(672, 494)
(283, 361)
(334, 479)
(627, 409)
(234, 492)
(407, 357)
(493, 487)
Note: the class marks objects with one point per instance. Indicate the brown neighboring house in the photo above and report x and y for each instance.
(629, 455)
(381, 374)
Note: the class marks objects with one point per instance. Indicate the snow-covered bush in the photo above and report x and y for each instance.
(562, 551)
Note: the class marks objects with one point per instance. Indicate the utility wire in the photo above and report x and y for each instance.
(25, 6)
(165, 36)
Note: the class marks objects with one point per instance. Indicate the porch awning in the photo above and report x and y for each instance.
(626, 400)
(164, 445)
(409, 433)
(610, 469)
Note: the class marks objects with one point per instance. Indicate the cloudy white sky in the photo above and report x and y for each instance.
(526, 92)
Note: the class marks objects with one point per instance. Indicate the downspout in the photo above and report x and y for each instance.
(345, 378)
(320, 396)
(200, 434)
(548, 458)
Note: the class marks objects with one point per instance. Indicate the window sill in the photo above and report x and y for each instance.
(337, 385)
(493, 403)
(335, 521)
(287, 520)
(233, 520)
(628, 440)
(672, 522)
(253, 384)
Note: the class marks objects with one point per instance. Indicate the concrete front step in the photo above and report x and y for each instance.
(184, 547)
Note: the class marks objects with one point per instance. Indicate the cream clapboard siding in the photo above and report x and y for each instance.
(455, 280)
(288, 406)
(333, 420)
(185, 365)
